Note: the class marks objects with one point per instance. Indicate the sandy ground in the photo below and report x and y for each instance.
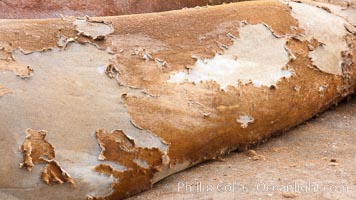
(316, 160)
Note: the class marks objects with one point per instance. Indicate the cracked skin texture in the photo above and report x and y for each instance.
(177, 112)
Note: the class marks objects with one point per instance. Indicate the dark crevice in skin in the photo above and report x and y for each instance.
(16, 9)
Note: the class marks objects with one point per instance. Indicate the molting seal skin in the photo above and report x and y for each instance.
(125, 101)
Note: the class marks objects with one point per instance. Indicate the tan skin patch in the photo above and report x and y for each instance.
(36, 149)
(177, 113)
(118, 148)
(53, 173)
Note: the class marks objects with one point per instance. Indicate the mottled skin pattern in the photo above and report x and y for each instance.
(176, 113)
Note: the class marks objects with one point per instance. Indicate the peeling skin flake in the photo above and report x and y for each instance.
(37, 150)
(72, 73)
(63, 41)
(257, 56)
(244, 120)
(25, 72)
(21, 70)
(82, 167)
(97, 30)
(34, 148)
(330, 31)
(138, 179)
(141, 163)
(75, 67)
(117, 147)
(74, 91)
(54, 173)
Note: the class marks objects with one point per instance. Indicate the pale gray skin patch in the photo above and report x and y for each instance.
(4, 90)
(347, 12)
(141, 163)
(69, 98)
(93, 29)
(257, 56)
(62, 41)
(81, 167)
(330, 31)
(7, 196)
(245, 120)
